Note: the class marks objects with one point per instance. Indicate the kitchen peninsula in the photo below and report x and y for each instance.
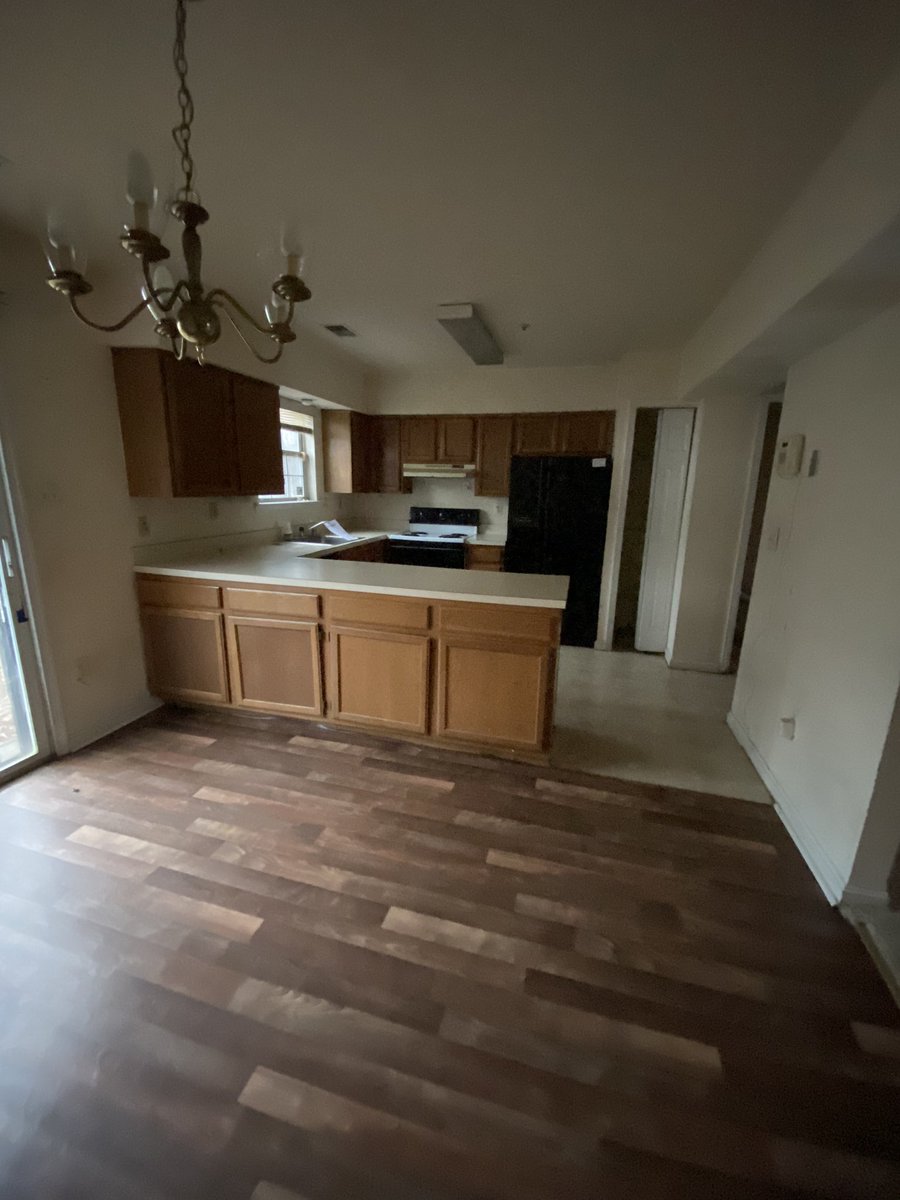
(459, 657)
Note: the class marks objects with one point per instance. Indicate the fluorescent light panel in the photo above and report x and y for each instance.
(466, 327)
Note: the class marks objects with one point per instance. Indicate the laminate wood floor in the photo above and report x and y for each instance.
(249, 957)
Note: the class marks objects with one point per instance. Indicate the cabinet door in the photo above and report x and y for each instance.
(362, 465)
(495, 691)
(494, 450)
(420, 439)
(586, 432)
(456, 440)
(379, 678)
(258, 436)
(185, 655)
(201, 429)
(537, 433)
(275, 665)
(387, 457)
(346, 438)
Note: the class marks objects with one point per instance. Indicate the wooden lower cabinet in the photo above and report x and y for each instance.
(275, 665)
(484, 558)
(494, 692)
(185, 655)
(464, 672)
(379, 678)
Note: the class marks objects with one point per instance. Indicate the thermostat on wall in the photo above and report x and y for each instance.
(789, 455)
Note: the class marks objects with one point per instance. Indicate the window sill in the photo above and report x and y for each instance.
(281, 502)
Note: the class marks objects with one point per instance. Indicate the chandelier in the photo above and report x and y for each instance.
(185, 313)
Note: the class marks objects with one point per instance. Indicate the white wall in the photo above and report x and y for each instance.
(822, 643)
(850, 200)
(718, 505)
(880, 838)
(61, 437)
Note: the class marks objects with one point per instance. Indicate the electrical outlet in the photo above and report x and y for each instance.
(143, 527)
(788, 728)
(213, 509)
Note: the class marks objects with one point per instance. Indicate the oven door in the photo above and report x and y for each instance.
(427, 554)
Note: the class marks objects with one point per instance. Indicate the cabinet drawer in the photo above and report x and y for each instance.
(485, 557)
(172, 593)
(500, 621)
(387, 612)
(303, 605)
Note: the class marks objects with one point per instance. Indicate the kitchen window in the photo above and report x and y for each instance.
(298, 454)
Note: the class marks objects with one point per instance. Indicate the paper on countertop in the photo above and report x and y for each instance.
(336, 528)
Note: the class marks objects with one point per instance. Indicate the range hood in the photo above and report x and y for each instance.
(438, 470)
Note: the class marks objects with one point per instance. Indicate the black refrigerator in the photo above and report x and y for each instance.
(557, 526)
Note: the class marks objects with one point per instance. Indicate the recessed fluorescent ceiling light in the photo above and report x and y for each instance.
(466, 327)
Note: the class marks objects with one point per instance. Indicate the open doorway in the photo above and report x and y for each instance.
(766, 463)
(653, 514)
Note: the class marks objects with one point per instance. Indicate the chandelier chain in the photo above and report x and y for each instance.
(181, 133)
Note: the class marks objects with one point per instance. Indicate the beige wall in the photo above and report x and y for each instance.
(823, 632)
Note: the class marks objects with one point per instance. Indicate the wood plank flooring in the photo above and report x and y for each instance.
(245, 958)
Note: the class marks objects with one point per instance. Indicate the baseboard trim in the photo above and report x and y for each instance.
(827, 875)
(855, 897)
(708, 668)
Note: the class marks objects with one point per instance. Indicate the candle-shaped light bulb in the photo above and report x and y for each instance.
(162, 286)
(60, 249)
(277, 310)
(292, 250)
(140, 193)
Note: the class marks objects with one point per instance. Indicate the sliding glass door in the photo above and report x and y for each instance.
(23, 728)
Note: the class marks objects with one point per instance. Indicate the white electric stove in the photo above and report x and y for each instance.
(436, 537)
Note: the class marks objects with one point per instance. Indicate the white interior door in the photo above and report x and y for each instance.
(23, 726)
(667, 483)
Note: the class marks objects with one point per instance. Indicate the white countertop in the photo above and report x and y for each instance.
(294, 565)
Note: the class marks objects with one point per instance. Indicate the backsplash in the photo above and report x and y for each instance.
(392, 512)
(166, 527)
(163, 528)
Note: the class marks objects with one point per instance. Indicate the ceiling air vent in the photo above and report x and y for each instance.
(340, 331)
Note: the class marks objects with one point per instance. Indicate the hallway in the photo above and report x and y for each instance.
(629, 716)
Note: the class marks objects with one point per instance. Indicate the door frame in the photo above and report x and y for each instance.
(658, 585)
(40, 685)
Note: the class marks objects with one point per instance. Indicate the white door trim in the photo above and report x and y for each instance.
(671, 456)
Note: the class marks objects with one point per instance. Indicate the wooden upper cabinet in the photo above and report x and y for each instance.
(495, 435)
(536, 433)
(456, 440)
(420, 439)
(188, 431)
(201, 429)
(257, 435)
(347, 442)
(387, 457)
(586, 432)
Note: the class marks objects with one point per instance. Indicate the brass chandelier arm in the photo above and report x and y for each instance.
(259, 357)
(136, 311)
(156, 295)
(218, 293)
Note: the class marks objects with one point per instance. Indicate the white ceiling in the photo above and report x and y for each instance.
(597, 169)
